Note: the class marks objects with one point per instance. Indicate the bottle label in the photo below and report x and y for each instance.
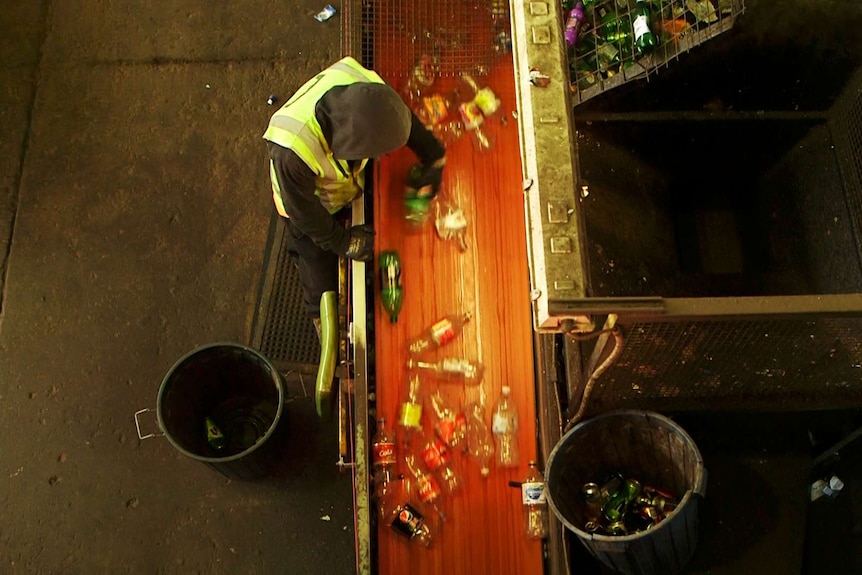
(436, 455)
(429, 489)
(450, 428)
(436, 108)
(500, 424)
(407, 521)
(411, 415)
(384, 453)
(641, 26)
(455, 366)
(443, 332)
(533, 493)
(471, 115)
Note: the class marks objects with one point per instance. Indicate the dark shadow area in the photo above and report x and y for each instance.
(756, 516)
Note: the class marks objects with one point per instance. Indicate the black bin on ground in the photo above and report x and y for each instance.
(639, 444)
(240, 391)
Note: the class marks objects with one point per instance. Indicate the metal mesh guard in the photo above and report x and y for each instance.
(458, 35)
(759, 364)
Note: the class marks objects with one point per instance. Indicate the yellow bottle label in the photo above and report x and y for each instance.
(411, 415)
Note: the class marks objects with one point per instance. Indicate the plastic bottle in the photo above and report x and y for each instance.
(483, 96)
(404, 516)
(451, 223)
(438, 459)
(480, 443)
(439, 334)
(454, 369)
(427, 488)
(384, 453)
(391, 292)
(410, 414)
(535, 503)
(505, 428)
(450, 425)
(472, 119)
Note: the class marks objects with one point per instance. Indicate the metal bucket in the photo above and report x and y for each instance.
(238, 389)
(638, 444)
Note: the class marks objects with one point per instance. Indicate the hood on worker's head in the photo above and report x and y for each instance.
(368, 120)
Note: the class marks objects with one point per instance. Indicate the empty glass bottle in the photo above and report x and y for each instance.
(391, 292)
(573, 23)
(645, 40)
(214, 435)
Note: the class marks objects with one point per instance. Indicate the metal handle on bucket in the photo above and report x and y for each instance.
(138, 425)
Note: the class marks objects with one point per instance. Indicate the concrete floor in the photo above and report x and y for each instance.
(134, 207)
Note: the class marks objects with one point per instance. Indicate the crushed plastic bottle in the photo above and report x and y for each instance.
(505, 428)
(427, 488)
(438, 459)
(451, 224)
(480, 443)
(450, 425)
(404, 516)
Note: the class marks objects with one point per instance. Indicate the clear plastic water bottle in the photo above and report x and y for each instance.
(505, 428)
(534, 503)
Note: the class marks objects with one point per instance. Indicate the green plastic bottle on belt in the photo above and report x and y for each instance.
(391, 292)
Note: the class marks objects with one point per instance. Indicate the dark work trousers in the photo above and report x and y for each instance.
(318, 268)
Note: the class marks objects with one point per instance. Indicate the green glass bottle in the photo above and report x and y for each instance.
(645, 40)
(214, 435)
(391, 292)
(417, 207)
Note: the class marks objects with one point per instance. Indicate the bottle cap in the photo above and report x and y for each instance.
(485, 472)
(506, 390)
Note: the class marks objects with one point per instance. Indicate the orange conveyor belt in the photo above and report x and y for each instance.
(484, 531)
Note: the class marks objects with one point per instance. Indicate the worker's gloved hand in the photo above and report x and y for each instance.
(429, 181)
(361, 244)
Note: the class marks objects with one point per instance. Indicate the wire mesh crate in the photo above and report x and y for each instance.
(606, 53)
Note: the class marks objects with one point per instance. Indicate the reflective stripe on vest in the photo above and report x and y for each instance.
(295, 127)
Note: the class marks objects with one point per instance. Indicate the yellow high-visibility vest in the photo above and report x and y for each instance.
(294, 127)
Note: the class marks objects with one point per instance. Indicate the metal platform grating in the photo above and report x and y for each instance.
(283, 331)
(781, 364)
(457, 35)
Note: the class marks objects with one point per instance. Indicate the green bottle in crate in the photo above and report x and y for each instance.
(645, 40)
